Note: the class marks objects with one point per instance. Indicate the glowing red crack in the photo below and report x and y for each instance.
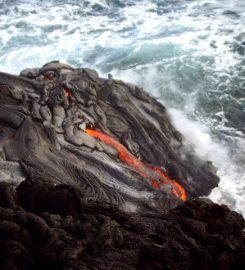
(156, 174)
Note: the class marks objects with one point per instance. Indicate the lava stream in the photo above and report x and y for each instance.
(150, 172)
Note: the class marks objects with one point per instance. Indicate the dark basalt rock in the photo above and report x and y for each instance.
(44, 112)
(55, 227)
(80, 206)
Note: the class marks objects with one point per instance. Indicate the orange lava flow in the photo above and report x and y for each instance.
(68, 93)
(151, 172)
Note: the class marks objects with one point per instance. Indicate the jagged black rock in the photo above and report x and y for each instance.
(67, 201)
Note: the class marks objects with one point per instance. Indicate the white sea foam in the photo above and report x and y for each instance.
(81, 29)
(229, 161)
(232, 179)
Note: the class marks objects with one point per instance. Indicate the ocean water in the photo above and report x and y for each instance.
(188, 54)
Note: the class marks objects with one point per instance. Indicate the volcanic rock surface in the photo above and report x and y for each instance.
(47, 119)
(91, 173)
(52, 227)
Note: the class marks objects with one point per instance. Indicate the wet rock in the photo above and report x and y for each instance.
(49, 113)
(89, 204)
(54, 227)
(30, 73)
(54, 66)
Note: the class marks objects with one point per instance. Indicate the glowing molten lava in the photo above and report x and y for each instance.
(157, 175)
(68, 93)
